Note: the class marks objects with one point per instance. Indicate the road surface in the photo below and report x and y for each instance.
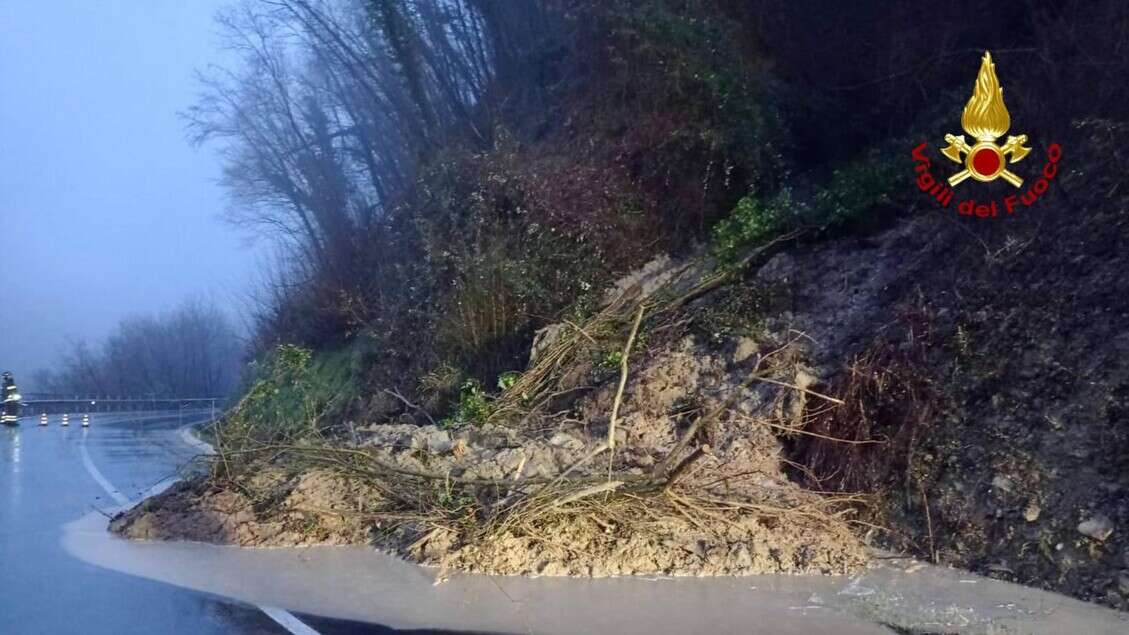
(52, 475)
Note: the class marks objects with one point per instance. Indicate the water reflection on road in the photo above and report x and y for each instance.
(43, 485)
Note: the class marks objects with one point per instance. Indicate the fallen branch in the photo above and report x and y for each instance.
(679, 471)
(608, 486)
(725, 276)
(803, 390)
(581, 330)
(410, 404)
(623, 375)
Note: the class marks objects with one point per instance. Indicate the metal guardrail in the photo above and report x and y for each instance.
(82, 405)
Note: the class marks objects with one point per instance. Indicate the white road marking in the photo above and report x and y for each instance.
(286, 620)
(118, 497)
(194, 441)
(282, 617)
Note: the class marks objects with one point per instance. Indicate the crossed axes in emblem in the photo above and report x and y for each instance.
(1013, 149)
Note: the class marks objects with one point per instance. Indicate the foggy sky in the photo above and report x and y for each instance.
(105, 209)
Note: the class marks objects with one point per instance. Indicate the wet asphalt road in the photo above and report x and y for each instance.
(44, 483)
(49, 476)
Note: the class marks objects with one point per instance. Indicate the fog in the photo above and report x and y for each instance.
(105, 208)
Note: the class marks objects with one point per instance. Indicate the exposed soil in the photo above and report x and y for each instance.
(272, 509)
(994, 358)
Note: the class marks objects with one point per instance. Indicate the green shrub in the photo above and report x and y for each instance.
(856, 191)
(697, 106)
(475, 407)
(294, 394)
(507, 379)
(501, 269)
(752, 221)
(851, 200)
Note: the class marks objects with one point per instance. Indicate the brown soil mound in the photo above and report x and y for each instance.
(732, 511)
(313, 508)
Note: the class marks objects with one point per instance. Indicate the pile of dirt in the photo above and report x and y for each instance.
(732, 511)
(666, 542)
(271, 509)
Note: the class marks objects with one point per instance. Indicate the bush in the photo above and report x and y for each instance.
(857, 191)
(502, 267)
(695, 106)
(475, 407)
(752, 221)
(294, 393)
(850, 201)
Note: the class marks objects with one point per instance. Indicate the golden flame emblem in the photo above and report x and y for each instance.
(986, 119)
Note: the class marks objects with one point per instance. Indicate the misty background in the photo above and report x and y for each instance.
(106, 210)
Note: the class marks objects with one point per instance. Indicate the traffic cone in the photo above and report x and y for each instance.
(86, 421)
(66, 419)
(43, 419)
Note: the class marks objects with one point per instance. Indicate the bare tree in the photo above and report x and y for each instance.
(192, 351)
(324, 124)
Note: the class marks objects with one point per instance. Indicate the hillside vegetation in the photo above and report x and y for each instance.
(756, 345)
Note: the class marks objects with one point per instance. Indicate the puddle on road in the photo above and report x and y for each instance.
(358, 583)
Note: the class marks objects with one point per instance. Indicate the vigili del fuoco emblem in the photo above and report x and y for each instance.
(986, 119)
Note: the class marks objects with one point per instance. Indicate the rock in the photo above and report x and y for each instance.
(779, 268)
(544, 339)
(646, 280)
(1002, 483)
(1032, 511)
(1098, 527)
(1123, 583)
(696, 547)
(439, 441)
(566, 441)
(510, 459)
(746, 348)
(742, 556)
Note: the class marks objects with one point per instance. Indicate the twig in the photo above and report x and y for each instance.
(803, 390)
(410, 404)
(609, 486)
(580, 329)
(928, 522)
(679, 471)
(623, 375)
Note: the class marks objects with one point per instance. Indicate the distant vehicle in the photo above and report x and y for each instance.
(10, 414)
